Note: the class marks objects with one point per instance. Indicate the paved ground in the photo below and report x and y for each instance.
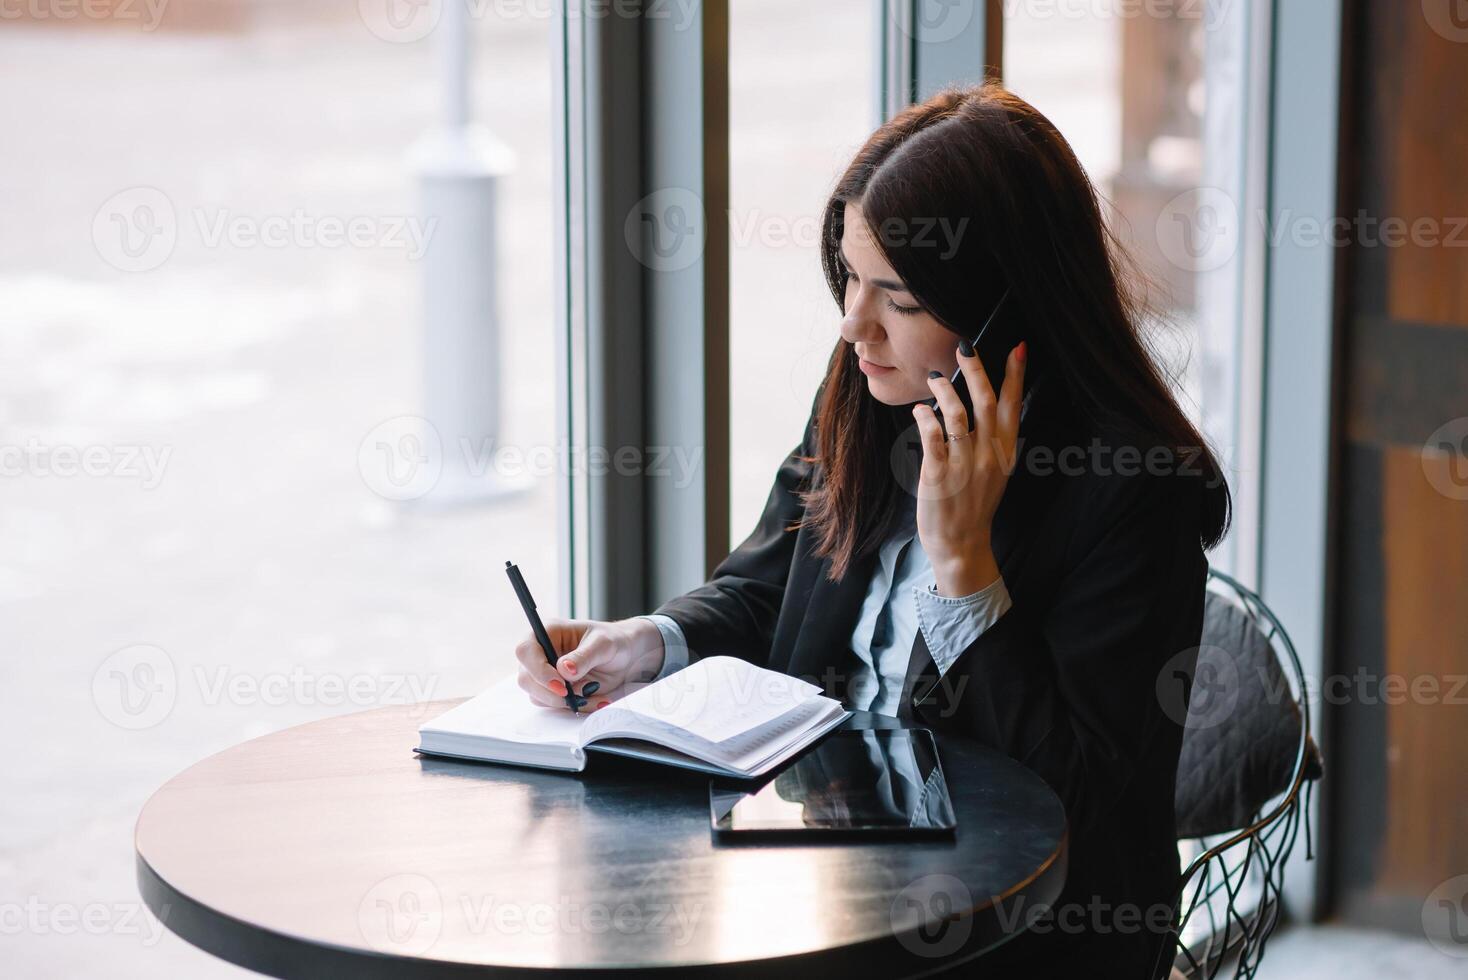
(228, 568)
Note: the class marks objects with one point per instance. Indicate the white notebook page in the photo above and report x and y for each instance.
(505, 712)
(714, 699)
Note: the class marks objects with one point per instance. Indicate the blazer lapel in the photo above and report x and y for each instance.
(922, 673)
(822, 648)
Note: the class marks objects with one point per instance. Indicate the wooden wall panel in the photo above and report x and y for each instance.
(1429, 139)
(1398, 813)
(1425, 555)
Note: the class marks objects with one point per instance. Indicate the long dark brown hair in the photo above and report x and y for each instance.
(1021, 214)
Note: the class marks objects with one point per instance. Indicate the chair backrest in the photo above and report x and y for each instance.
(1246, 756)
(1244, 729)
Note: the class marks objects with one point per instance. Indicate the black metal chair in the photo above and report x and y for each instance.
(1248, 765)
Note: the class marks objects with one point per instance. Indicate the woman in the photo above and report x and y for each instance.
(1046, 567)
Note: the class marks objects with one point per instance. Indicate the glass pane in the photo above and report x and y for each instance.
(1154, 100)
(800, 105)
(220, 513)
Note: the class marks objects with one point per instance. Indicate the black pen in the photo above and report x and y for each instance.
(527, 602)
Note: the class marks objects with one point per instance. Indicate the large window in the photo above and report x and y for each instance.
(222, 514)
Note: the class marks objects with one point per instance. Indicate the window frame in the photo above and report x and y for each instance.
(631, 82)
(914, 60)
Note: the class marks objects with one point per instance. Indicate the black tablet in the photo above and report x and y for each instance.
(862, 784)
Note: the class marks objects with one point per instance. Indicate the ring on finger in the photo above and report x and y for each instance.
(955, 436)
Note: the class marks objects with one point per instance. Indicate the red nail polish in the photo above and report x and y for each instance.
(1023, 351)
(600, 705)
(570, 667)
(559, 687)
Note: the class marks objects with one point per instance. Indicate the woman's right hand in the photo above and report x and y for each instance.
(613, 655)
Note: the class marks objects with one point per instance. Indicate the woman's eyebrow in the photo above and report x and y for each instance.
(887, 284)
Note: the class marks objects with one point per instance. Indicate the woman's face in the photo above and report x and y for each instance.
(897, 341)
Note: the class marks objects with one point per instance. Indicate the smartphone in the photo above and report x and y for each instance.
(996, 338)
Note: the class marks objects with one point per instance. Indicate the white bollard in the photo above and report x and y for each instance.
(458, 167)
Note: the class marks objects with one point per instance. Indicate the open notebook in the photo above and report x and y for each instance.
(720, 715)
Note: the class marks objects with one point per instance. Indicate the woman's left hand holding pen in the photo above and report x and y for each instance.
(611, 655)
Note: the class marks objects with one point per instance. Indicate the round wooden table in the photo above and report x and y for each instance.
(333, 850)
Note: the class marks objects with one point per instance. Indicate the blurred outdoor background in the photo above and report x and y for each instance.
(258, 573)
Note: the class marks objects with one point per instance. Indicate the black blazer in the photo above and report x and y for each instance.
(1107, 576)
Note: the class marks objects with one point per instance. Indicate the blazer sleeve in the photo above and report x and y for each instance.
(734, 612)
(1085, 716)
